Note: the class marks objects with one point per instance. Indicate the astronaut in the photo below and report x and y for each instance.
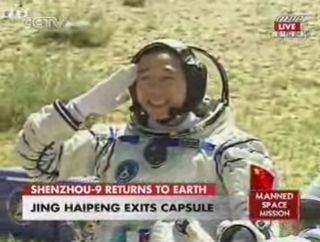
(177, 133)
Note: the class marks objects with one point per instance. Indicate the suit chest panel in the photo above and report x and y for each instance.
(182, 165)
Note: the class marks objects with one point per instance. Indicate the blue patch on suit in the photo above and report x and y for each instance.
(208, 148)
(126, 171)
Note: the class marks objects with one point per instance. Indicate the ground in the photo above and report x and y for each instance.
(275, 84)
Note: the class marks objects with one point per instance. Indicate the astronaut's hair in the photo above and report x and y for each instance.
(159, 49)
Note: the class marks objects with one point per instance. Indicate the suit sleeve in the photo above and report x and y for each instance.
(51, 146)
(234, 161)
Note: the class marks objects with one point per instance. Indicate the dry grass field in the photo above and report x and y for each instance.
(275, 83)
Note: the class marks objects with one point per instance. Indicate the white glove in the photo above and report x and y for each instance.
(225, 225)
(108, 94)
(196, 233)
(162, 232)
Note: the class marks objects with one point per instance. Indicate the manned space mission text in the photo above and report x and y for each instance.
(274, 205)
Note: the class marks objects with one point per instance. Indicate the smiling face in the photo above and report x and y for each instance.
(161, 84)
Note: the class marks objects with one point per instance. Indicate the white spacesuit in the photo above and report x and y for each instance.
(54, 145)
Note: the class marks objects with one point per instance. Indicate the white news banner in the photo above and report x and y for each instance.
(116, 208)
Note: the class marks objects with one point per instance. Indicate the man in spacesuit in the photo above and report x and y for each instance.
(177, 134)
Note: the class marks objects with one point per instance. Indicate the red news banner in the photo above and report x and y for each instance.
(122, 190)
(118, 202)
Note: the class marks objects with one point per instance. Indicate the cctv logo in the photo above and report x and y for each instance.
(32, 22)
(44, 23)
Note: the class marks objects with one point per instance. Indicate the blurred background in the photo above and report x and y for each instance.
(275, 85)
